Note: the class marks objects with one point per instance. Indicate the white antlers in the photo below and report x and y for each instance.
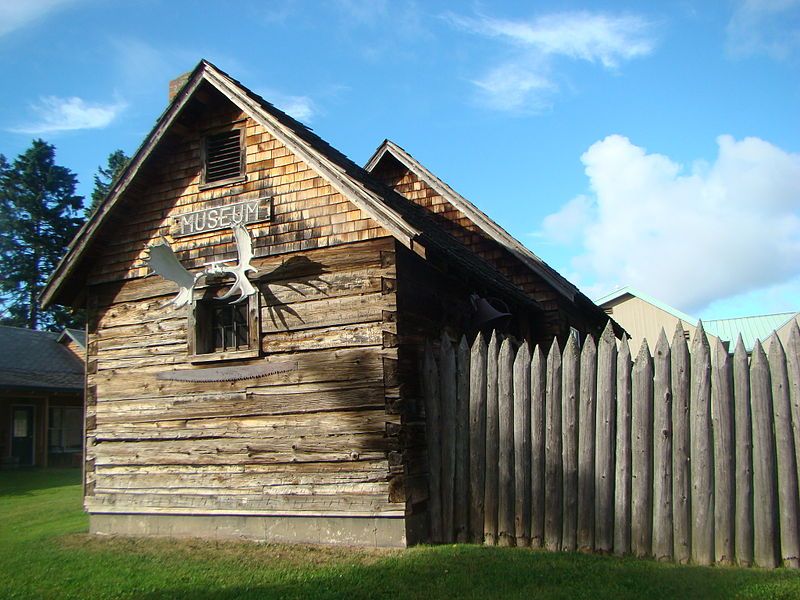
(162, 260)
(244, 248)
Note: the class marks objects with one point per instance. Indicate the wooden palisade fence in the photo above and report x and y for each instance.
(679, 455)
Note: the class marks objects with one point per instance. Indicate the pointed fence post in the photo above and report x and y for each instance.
(662, 450)
(765, 493)
(538, 387)
(702, 452)
(477, 437)
(522, 445)
(793, 371)
(724, 454)
(788, 501)
(681, 475)
(642, 454)
(569, 450)
(553, 473)
(505, 401)
(430, 383)
(622, 481)
(586, 444)
(605, 432)
(447, 387)
(743, 530)
(492, 444)
(461, 506)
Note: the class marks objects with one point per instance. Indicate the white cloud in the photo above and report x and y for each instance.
(526, 79)
(15, 14)
(770, 27)
(515, 88)
(68, 114)
(687, 237)
(302, 108)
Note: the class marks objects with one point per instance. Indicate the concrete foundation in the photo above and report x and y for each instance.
(350, 531)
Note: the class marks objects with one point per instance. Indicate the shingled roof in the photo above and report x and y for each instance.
(35, 360)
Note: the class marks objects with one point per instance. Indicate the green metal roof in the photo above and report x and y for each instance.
(759, 327)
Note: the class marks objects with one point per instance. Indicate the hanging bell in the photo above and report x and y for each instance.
(489, 312)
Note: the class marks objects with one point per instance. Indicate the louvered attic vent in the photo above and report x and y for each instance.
(223, 156)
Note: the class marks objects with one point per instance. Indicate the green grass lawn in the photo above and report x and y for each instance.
(44, 553)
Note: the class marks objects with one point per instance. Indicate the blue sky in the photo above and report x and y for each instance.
(646, 144)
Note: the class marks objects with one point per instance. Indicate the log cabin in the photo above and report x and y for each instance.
(293, 412)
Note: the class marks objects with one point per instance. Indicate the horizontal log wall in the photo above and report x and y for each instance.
(316, 439)
(684, 455)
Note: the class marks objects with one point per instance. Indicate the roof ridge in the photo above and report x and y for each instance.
(476, 215)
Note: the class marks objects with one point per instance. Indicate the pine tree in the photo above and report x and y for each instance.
(105, 177)
(39, 215)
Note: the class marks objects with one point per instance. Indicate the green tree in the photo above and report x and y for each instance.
(105, 177)
(39, 215)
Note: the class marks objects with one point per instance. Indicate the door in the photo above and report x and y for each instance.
(22, 434)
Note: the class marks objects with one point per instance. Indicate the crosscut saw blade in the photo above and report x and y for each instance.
(227, 373)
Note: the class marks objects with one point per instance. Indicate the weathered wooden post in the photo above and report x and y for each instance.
(522, 445)
(622, 482)
(492, 444)
(744, 456)
(793, 371)
(788, 502)
(724, 454)
(681, 475)
(430, 382)
(553, 474)
(538, 392)
(702, 452)
(477, 437)
(586, 444)
(662, 451)
(569, 449)
(505, 402)
(461, 506)
(605, 432)
(642, 454)
(447, 393)
(765, 494)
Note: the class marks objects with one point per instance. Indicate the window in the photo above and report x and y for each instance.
(223, 157)
(222, 330)
(65, 430)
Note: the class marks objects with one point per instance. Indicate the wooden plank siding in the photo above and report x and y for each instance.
(302, 440)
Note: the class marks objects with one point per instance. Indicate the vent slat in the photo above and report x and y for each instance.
(223, 156)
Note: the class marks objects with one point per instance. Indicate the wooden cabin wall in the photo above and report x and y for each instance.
(557, 316)
(315, 439)
(319, 438)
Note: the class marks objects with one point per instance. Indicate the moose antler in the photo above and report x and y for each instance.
(162, 260)
(244, 248)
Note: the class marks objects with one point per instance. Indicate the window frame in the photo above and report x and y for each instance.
(239, 126)
(200, 325)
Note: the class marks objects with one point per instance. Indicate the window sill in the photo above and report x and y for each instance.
(222, 182)
(223, 356)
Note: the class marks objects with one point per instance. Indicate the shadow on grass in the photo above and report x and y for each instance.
(28, 480)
